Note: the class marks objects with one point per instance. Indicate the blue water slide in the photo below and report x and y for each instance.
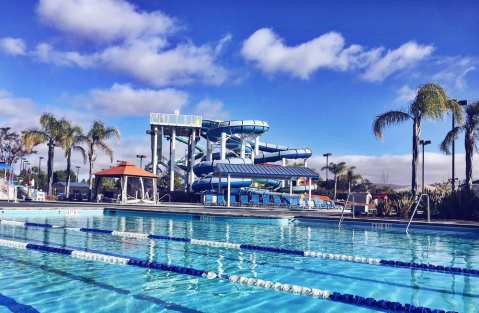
(207, 167)
(211, 183)
(251, 127)
(264, 157)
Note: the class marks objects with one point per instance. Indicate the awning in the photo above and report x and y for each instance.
(263, 171)
(125, 169)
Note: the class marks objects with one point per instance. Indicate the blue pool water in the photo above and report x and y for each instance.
(56, 283)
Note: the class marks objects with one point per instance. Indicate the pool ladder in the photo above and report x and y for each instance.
(417, 202)
(344, 207)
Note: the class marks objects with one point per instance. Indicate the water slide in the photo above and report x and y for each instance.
(240, 132)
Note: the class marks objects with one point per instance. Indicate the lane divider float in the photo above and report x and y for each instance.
(389, 306)
(251, 247)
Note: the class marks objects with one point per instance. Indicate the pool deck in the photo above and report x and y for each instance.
(192, 208)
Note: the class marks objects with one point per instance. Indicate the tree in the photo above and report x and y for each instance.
(337, 170)
(431, 102)
(95, 139)
(469, 128)
(71, 139)
(352, 177)
(50, 132)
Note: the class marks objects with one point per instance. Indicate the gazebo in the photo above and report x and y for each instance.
(126, 170)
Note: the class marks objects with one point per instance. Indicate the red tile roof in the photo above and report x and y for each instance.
(125, 169)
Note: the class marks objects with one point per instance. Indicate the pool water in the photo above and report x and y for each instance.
(56, 283)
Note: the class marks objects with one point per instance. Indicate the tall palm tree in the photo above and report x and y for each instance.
(352, 177)
(96, 139)
(71, 139)
(50, 132)
(470, 127)
(337, 169)
(431, 102)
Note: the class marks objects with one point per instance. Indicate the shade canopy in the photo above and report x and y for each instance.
(263, 171)
(125, 169)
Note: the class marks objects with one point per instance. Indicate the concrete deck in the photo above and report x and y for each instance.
(192, 208)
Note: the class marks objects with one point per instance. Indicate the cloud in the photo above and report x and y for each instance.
(405, 94)
(395, 60)
(454, 71)
(211, 109)
(12, 46)
(122, 99)
(396, 169)
(269, 53)
(47, 54)
(103, 20)
(148, 62)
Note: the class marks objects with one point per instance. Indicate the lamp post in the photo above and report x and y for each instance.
(78, 172)
(327, 155)
(40, 158)
(453, 154)
(141, 157)
(423, 143)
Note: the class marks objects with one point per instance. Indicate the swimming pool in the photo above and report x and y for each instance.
(42, 281)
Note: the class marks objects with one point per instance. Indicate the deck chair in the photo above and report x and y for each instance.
(265, 200)
(234, 200)
(255, 200)
(244, 201)
(220, 199)
(277, 200)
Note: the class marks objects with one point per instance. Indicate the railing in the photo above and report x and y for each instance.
(424, 195)
(175, 120)
(165, 195)
(342, 212)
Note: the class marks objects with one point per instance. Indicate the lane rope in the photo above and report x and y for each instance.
(251, 247)
(86, 254)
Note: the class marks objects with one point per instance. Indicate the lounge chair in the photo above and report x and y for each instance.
(220, 200)
(234, 200)
(254, 200)
(277, 201)
(244, 201)
(265, 200)
(208, 199)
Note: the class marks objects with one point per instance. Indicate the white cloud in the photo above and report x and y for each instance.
(211, 109)
(47, 54)
(145, 60)
(396, 169)
(454, 71)
(12, 46)
(405, 94)
(271, 55)
(125, 100)
(17, 113)
(103, 20)
(395, 60)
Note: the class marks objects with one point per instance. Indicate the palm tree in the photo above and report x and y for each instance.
(50, 132)
(337, 169)
(95, 139)
(72, 137)
(471, 136)
(352, 177)
(431, 102)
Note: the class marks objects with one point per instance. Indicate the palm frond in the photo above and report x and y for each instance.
(82, 152)
(387, 119)
(450, 137)
(456, 110)
(33, 137)
(431, 101)
(106, 149)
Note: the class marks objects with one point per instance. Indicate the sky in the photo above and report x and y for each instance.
(318, 72)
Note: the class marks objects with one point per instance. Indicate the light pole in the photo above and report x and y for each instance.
(40, 158)
(141, 157)
(423, 143)
(327, 155)
(453, 178)
(78, 172)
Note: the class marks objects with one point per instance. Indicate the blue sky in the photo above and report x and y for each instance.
(317, 72)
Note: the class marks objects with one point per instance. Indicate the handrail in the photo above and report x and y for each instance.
(165, 195)
(415, 210)
(342, 212)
